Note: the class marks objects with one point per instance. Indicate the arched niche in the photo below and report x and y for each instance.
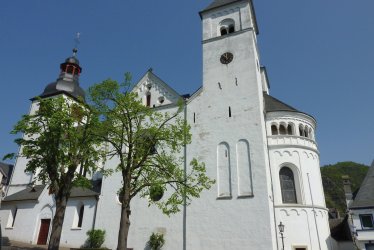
(223, 170)
(245, 186)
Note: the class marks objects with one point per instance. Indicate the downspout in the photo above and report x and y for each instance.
(272, 186)
(185, 177)
(314, 212)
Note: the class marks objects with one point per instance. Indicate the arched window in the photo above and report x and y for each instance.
(287, 183)
(282, 129)
(306, 132)
(289, 129)
(223, 31)
(301, 130)
(80, 216)
(227, 26)
(274, 130)
(231, 29)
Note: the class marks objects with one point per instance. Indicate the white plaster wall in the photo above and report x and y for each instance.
(301, 228)
(29, 213)
(144, 219)
(19, 178)
(306, 223)
(240, 13)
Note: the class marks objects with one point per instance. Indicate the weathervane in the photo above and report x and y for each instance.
(76, 43)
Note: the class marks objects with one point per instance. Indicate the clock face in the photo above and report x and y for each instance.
(226, 58)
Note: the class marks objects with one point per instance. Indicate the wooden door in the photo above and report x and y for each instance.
(43, 231)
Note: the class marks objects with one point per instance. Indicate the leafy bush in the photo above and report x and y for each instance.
(96, 238)
(156, 241)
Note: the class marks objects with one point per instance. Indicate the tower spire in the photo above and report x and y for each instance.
(76, 44)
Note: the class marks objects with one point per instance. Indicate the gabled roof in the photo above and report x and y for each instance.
(30, 193)
(365, 196)
(149, 74)
(273, 104)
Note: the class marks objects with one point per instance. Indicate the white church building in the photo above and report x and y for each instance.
(261, 152)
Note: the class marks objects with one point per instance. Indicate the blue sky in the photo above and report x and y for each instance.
(319, 56)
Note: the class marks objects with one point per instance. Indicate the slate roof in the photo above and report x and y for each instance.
(219, 3)
(365, 196)
(7, 170)
(30, 193)
(86, 192)
(62, 86)
(82, 192)
(273, 104)
(33, 193)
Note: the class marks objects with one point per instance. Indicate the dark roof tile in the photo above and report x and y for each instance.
(219, 3)
(365, 196)
(30, 193)
(273, 104)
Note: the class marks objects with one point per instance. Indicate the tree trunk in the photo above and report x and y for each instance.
(124, 225)
(58, 220)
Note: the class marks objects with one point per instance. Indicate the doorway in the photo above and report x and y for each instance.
(43, 231)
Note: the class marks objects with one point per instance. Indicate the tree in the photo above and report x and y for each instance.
(148, 145)
(60, 142)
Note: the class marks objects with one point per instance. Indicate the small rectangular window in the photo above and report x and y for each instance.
(148, 100)
(366, 220)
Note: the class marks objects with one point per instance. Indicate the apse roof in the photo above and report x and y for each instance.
(273, 104)
(365, 196)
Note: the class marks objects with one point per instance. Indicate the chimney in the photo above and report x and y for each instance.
(347, 190)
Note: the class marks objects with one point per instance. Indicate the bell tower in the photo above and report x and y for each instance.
(230, 53)
(231, 120)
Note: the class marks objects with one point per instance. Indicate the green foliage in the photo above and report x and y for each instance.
(156, 241)
(156, 192)
(148, 144)
(57, 139)
(333, 182)
(96, 238)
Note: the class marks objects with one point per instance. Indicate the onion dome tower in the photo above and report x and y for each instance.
(68, 80)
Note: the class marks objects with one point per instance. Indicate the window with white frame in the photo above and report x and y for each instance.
(366, 221)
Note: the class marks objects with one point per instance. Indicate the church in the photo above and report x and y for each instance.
(261, 151)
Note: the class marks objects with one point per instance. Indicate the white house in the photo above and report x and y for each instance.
(261, 151)
(361, 211)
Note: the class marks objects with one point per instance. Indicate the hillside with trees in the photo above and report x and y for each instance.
(333, 182)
